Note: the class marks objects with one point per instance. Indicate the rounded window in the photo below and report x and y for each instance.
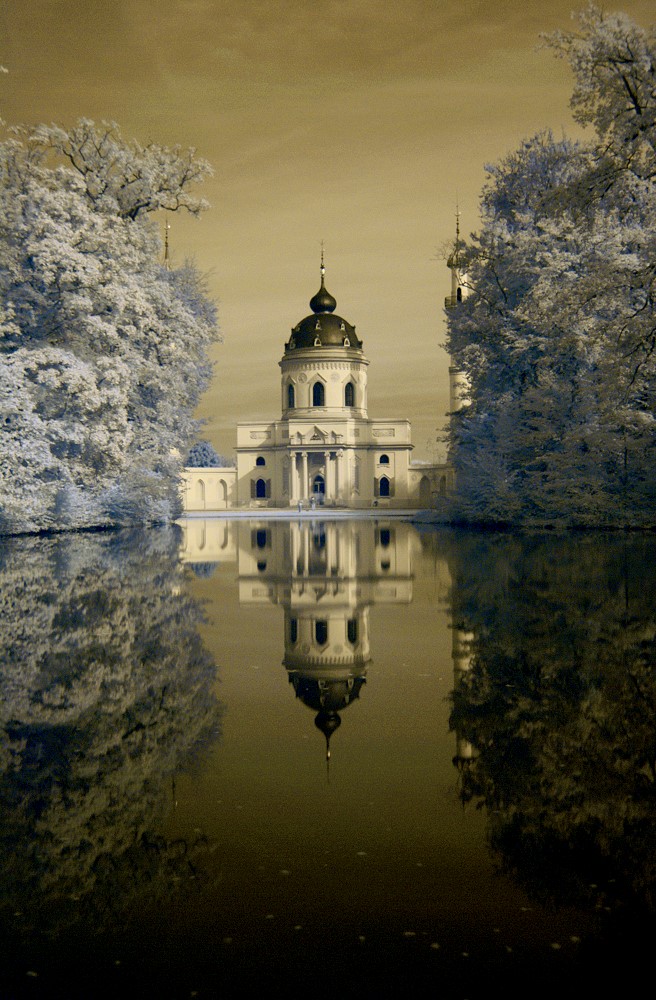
(384, 459)
(318, 394)
(260, 460)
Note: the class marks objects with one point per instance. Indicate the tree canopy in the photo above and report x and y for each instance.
(203, 455)
(104, 349)
(557, 333)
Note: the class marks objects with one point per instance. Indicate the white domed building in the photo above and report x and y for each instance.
(324, 450)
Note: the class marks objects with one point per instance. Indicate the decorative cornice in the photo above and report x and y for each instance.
(348, 366)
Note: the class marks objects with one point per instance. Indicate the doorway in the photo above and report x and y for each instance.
(319, 488)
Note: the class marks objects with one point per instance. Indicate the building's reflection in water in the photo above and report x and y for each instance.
(326, 575)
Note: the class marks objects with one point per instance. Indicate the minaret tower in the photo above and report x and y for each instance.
(458, 385)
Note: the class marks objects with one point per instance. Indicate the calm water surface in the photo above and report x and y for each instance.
(326, 758)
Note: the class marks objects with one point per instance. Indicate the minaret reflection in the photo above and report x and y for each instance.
(462, 655)
(326, 575)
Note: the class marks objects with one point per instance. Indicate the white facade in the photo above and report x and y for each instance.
(212, 488)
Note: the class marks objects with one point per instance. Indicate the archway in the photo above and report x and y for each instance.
(319, 487)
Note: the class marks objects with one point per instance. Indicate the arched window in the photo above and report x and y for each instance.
(349, 394)
(321, 632)
(260, 460)
(261, 566)
(352, 630)
(261, 490)
(384, 459)
(318, 394)
(291, 397)
(261, 538)
(293, 629)
(384, 487)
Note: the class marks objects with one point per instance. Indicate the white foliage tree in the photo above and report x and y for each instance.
(557, 336)
(104, 350)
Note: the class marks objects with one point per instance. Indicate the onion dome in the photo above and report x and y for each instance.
(323, 301)
(327, 696)
(324, 328)
(327, 722)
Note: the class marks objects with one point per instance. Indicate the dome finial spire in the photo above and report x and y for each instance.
(323, 301)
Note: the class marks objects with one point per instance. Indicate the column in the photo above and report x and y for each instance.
(304, 476)
(293, 478)
(339, 455)
(329, 487)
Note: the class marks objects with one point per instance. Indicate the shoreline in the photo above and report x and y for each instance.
(323, 513)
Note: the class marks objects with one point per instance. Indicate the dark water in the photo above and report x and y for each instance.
(325, 759)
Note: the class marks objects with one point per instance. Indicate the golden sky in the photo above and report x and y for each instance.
(357, 122)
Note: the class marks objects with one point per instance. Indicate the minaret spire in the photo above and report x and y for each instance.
(453, 263)
(457, 228)
(167, 262)
(323, 266)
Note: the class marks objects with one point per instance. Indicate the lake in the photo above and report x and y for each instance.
(326, 757)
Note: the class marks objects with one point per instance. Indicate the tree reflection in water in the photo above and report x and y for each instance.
(106, 692)
(556, 698)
